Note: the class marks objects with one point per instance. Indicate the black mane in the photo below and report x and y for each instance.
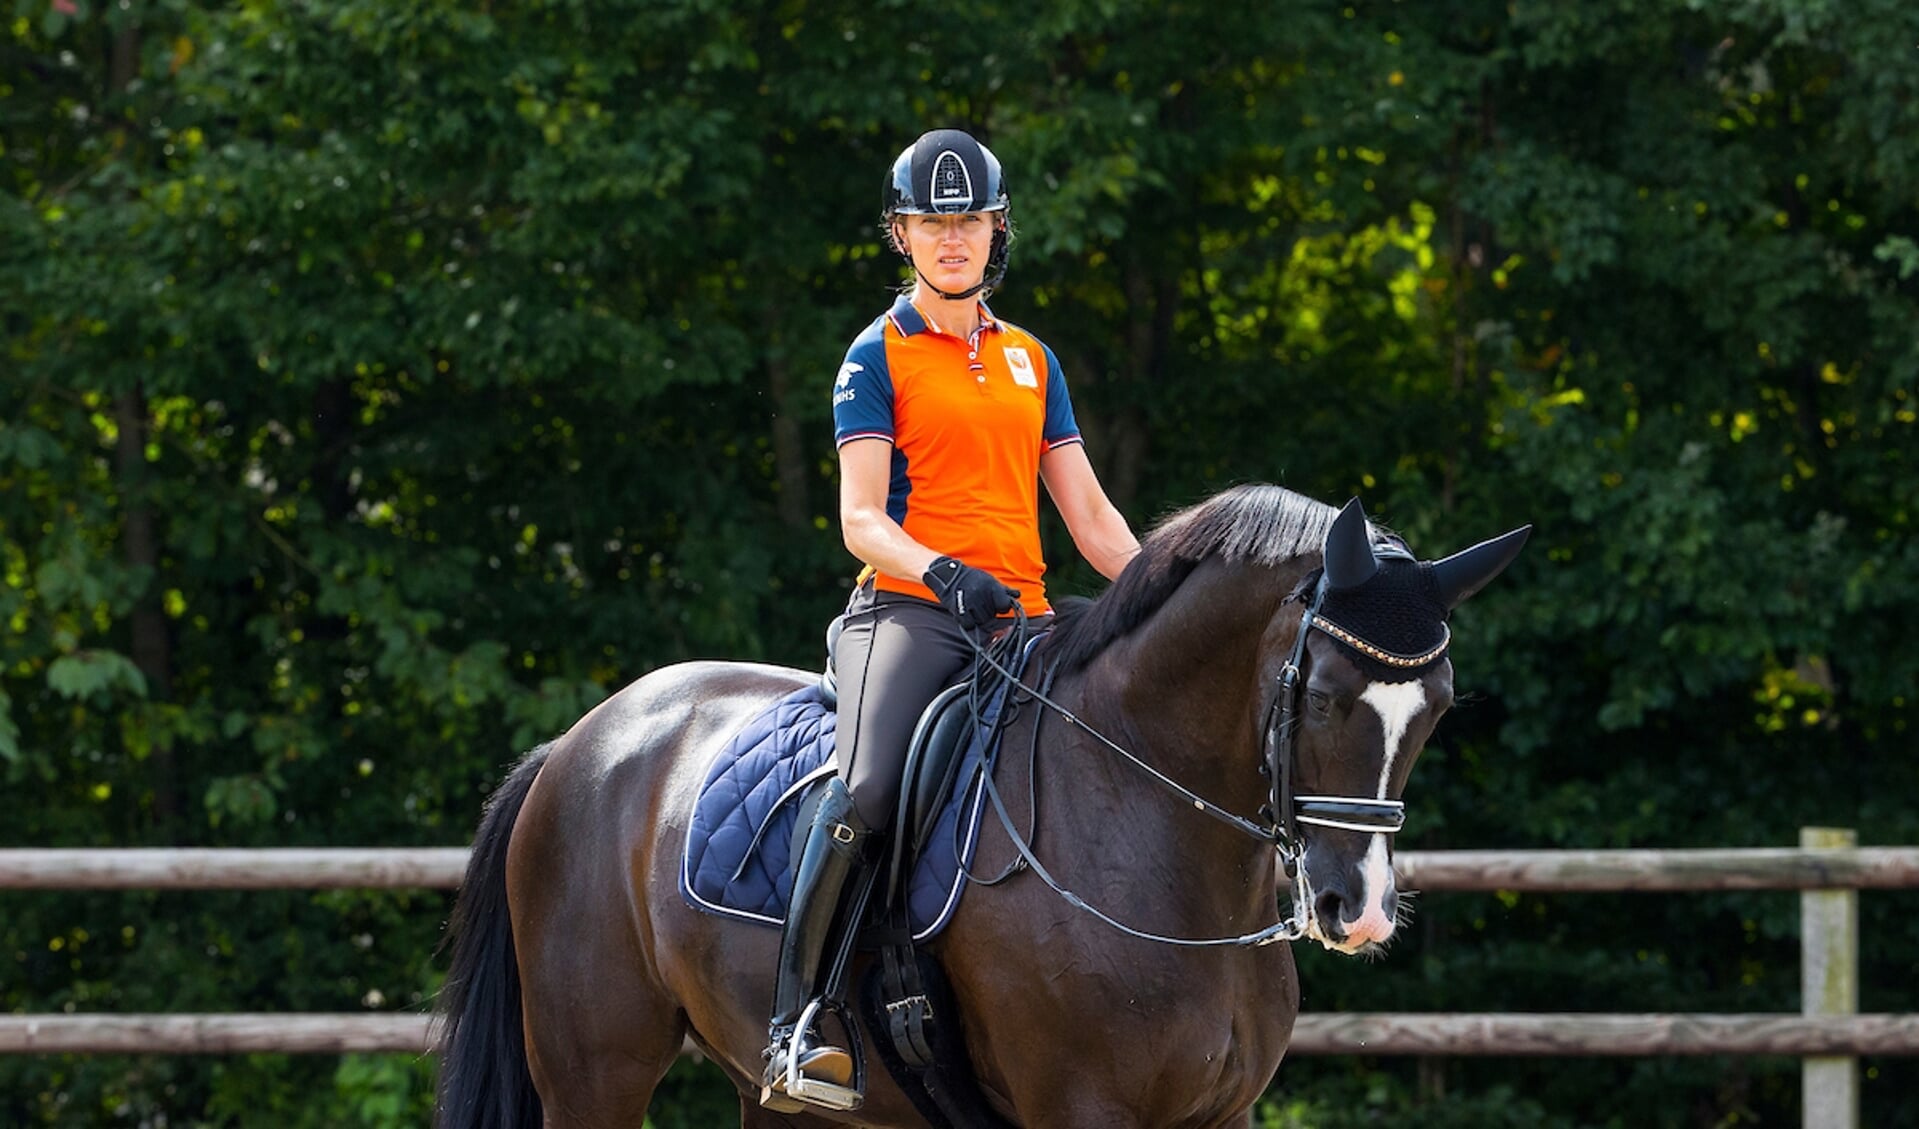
(1257, 523)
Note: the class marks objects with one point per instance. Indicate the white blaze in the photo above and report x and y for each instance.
(1397, 704)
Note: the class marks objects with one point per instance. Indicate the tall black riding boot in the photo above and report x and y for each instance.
(834, 853)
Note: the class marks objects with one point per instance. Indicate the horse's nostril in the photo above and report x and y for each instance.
(1390, 903)
(1330, 908)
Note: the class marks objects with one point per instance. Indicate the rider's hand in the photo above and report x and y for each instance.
(972, 595)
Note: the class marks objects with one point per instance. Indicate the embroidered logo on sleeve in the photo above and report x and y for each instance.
(1022, 367)
(843, 385)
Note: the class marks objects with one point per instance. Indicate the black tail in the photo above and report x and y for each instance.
(484, 1081)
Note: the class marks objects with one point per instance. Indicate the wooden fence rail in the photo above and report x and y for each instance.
(1437, 1033)
(1633, 871)
(331, 868)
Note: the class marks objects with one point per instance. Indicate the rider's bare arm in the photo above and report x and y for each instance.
(1099, 531)
(871, 534)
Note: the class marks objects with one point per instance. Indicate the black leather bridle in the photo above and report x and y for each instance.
(1284, 812)
(1281, 815)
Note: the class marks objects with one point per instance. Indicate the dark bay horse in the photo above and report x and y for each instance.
(1224, 736)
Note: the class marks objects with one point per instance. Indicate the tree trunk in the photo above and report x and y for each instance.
(139, 537)
(147, 623)
(1152, 299)
(789, 458)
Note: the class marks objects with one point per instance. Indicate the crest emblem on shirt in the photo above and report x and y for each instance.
(1022, 367)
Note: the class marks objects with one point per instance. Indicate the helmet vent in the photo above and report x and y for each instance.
(952, 184)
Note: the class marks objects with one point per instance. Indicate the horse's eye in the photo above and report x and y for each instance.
(1319, 700)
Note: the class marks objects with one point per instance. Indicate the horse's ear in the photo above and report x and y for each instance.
(1469, 570)
(1349, 549)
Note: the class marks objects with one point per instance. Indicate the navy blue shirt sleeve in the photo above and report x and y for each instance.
(1060, 427)
(863, 390)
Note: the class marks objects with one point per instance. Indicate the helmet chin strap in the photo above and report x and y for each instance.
(954, 297)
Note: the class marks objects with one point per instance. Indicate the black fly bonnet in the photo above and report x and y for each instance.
(1387, 610)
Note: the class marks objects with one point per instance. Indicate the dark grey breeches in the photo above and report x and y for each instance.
(895, 654)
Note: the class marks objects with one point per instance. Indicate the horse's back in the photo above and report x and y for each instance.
(662, 713)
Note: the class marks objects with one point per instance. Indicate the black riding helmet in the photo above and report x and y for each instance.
(947, 172)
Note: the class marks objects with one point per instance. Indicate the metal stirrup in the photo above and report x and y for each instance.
(812, 1090)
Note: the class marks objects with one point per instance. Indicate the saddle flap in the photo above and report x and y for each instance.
(932, 759)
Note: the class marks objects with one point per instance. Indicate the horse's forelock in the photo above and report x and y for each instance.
(1255, 523)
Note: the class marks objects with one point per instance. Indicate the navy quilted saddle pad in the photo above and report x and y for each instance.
(740, 842)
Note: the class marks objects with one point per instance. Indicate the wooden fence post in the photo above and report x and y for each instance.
(1829, 985)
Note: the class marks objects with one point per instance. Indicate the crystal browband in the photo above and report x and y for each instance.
(1378, 654)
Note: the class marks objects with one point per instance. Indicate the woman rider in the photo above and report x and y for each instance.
(947, 419)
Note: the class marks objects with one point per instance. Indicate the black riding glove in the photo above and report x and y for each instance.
(972, 595)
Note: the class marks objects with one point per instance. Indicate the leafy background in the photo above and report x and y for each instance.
(385, 383)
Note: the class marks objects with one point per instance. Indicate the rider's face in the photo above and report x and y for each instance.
(951, 251)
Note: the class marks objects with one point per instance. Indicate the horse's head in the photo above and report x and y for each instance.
(1350, 670)
(1358, 693)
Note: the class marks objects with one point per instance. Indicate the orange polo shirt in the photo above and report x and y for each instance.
(968, 420)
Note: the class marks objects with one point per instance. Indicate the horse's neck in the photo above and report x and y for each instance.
(1182, 693)
(1189, 675)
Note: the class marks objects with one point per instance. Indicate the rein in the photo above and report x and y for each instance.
(1283, 812)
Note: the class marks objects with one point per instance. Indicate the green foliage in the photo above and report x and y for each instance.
(87, 674)
(694, 1094)
(385, 384)
(1363, 1097)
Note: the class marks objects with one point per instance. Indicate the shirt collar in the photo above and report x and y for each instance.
(910, 320)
